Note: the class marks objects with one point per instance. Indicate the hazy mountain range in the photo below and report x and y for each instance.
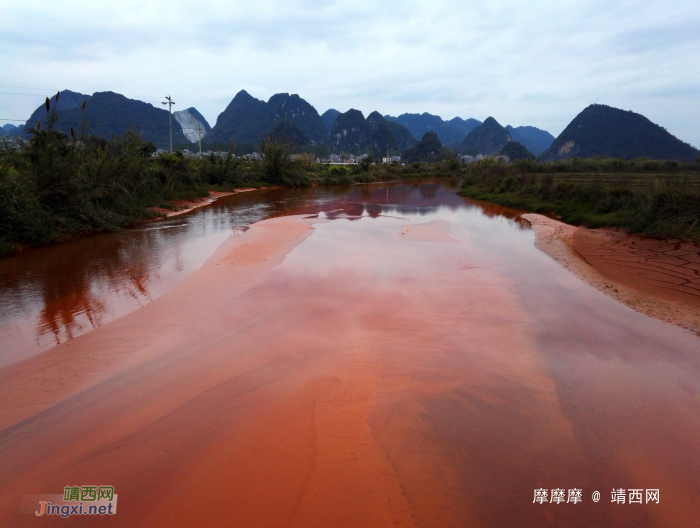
(597, 131)
(534, 139)
(449, 132)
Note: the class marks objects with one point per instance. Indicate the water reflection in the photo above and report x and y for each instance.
(51, 294)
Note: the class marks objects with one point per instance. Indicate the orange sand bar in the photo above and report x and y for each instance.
(657, 277)
(321, 373)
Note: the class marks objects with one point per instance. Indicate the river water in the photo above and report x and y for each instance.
(501, 373)
(50, 294)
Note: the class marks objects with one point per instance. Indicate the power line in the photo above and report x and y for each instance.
(136, 97)
(14, 93)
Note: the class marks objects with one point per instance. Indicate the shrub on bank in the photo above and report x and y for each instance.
(278, 166)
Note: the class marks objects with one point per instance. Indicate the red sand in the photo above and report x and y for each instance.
(657, 277)
(272, 388)
(669, 269)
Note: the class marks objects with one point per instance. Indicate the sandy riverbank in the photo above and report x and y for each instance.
(657, 277)
(185, 206)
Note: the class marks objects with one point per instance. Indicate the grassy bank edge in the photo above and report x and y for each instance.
(578, 213)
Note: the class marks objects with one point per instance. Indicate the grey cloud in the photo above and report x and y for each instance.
(535, 63)
(656, 38)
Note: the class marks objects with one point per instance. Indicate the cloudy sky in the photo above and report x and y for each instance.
(535, 62)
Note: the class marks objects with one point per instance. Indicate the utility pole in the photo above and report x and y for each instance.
(169, 101)
(199, 129)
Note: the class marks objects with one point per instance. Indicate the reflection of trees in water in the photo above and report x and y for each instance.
(71, 280)
(429, 190)
(61, 316)
(492, 211)
(78, 283)
(74, 287)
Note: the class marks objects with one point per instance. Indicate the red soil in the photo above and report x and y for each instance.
(669, 269)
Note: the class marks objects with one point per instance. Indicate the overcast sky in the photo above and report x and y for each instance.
(524, 62)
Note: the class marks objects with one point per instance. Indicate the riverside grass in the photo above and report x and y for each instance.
(660, 198)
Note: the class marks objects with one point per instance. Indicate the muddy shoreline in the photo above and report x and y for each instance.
(657, 277)
(185, 206)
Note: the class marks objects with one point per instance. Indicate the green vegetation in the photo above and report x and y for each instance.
(278, 166)
(56, 187)
(645, 196)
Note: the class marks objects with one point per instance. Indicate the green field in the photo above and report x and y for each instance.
(631, 180)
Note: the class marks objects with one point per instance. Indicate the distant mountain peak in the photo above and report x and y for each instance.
(243, 95)
(328, 117)
(601, 130)
(429, 148)
(375, 117)
(248, 120)
(488, 138)
(516, 151)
